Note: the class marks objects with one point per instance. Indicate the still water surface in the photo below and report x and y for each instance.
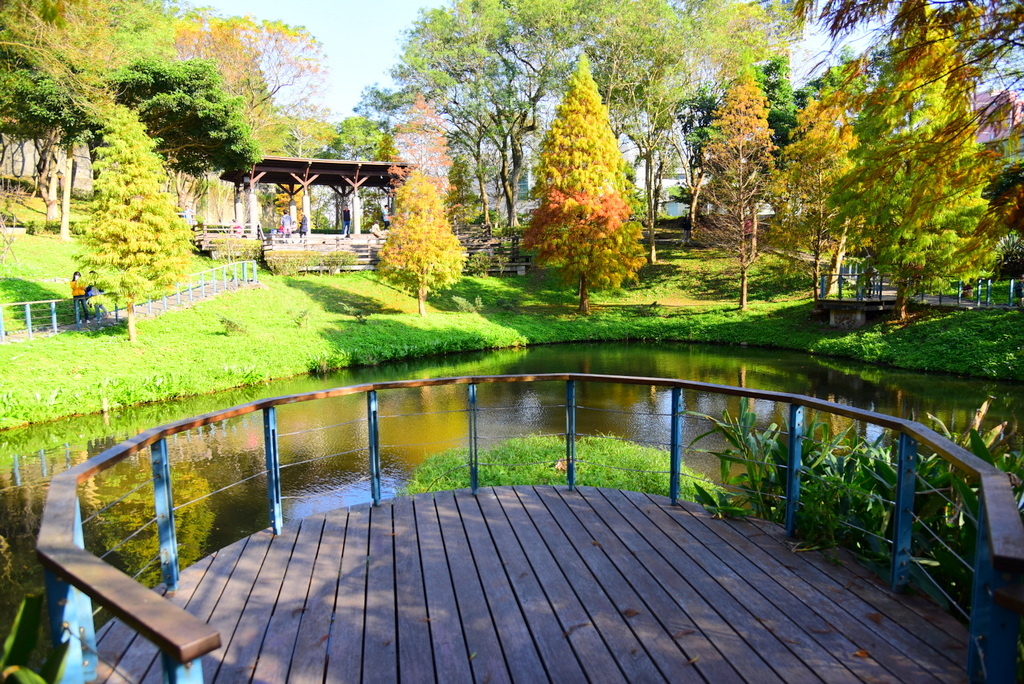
(323, 443)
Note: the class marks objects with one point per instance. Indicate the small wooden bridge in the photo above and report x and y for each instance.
(544, 584)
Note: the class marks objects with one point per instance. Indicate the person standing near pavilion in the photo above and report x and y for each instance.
(346, 221)
(304, 228)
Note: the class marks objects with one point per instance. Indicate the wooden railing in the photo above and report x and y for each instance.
(76, 579)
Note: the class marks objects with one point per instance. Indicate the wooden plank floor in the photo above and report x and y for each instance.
(529, 584)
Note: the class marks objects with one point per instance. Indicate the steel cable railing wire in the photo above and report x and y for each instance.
(225, 488)
(127, 539)
(116, 501)
(959, 506)
(321, 428)
(923, 526)
(360, 449)
(595, 464)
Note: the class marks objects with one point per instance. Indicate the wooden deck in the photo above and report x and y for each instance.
(535, 584)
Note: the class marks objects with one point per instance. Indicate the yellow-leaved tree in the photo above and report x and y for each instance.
(136, 241)
(807, 225)
(581, 226)
(421, 253)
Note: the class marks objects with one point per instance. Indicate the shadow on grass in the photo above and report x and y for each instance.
(339, 301)
(19, 290)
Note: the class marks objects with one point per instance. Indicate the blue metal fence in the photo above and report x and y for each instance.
(52, 316)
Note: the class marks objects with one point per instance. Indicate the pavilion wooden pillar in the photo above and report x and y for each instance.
(357, 209)
(292, 211)
(254, 203)
(305, 182)
(239, 206)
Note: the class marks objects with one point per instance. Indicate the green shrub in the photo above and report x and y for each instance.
(236, 249)
(289, 263)
(466, 306)
(233, 327)
(333, 262)
(600, 462)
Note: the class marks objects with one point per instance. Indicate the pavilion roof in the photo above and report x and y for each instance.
(292, 171)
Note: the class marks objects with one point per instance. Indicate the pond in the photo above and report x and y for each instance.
(211, 459)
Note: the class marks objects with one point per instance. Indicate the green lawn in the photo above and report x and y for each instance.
(294, 325)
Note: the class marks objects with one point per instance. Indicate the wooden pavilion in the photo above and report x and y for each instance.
(294, 174)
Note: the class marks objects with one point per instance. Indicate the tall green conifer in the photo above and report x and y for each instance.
(421, 253)
(136, 240)
(580, 226)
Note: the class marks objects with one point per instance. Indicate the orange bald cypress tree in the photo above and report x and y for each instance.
(581, 227)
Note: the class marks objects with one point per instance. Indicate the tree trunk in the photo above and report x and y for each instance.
(46, 180)
(584, 296)
(837, 261)
(650, 180)
(694, 201)
(65, 198)
(485, 201)
(421, 300)
(129, 311)
(816, 283)
(899, 311)
(517, 171)
(52, 195)
(743, 288)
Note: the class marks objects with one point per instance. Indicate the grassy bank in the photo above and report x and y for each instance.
(294, 325)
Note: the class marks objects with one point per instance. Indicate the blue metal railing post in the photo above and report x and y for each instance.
(822, 293)
(202, 285)
(840, 285)
(374, 444)
(164, 500)
(992, 644)
(53, 316)
(988, 291)
(570, 434)
(977, 295)
(793, 466)
(474, 458)
(70, 613)
(273, 459)
(903, 512)
(675, 448)
(959, 292)
(182, 673)
(28, 320)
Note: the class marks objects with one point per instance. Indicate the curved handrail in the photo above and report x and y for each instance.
(184, 637)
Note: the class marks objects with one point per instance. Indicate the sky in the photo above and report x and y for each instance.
(361, 39)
